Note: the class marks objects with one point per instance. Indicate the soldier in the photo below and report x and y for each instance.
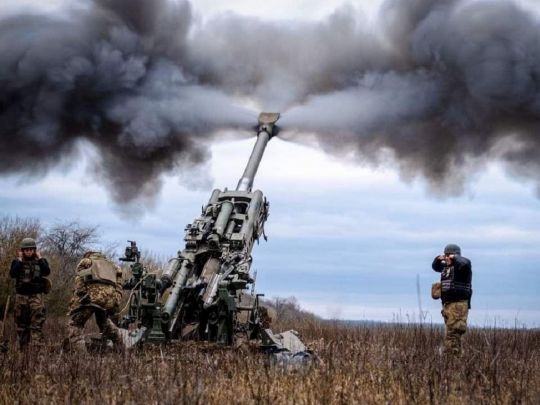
(30, 270)
(456, 292)
(98, 291)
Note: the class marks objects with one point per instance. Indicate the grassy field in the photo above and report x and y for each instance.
(360, 364)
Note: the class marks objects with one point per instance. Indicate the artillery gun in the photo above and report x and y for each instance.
(208, 279)
(204, 288)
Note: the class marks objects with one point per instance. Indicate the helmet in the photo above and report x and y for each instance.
(92, 254)
(28, 243)
(452, 249)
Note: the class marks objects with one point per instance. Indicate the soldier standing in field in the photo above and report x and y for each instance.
(455, 293)
(30, 270)
(98, 291)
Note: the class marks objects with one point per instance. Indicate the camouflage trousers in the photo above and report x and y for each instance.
(29, 318)
(455, 318)
(100, 300)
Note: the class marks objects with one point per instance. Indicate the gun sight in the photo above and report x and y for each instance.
(132, 253)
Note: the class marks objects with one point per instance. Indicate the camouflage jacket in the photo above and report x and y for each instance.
(91, 290)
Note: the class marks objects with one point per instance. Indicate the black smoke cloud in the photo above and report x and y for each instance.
(464, 78)
(112, 73)
(437, 87)
(434, 86)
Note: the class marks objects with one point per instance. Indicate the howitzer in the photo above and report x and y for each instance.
(205, 284)
(209, 277)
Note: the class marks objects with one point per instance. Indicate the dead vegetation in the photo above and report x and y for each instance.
(358, 364)
(385, 364)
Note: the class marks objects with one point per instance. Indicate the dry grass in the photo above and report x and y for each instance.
(358, 365)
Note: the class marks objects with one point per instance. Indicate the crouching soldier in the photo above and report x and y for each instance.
(455, 293)
(30, 270)
(98, 291)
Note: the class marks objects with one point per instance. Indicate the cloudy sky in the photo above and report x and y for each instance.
(347, 241)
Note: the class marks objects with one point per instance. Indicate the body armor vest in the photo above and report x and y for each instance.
(31, 271)
(97, 270)
(30, 280)
(456, 282)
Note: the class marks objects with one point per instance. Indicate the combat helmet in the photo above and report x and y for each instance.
(28, 243)
(93, 254)
(452, 249)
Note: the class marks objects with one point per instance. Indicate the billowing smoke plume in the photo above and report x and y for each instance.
(113, 73)
(432, 85)
(437, 86)
(467, 75)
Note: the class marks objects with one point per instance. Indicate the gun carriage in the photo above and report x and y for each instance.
(202, 292)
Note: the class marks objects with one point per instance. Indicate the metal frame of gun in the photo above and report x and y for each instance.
(205, 283)
(207, 280)
(143, 305)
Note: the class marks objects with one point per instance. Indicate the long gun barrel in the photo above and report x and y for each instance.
(213, 269)
(266, 131)
(206, 282)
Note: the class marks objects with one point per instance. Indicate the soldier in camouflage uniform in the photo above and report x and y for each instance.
(98, 291)
(30, 271)
(456, 292)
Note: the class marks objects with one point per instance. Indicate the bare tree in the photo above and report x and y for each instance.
(64, 244)
(70, 239)
(286, 308)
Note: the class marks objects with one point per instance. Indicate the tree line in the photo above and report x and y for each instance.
(64, 243)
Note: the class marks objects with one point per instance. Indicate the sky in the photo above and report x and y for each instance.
(349, 242)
